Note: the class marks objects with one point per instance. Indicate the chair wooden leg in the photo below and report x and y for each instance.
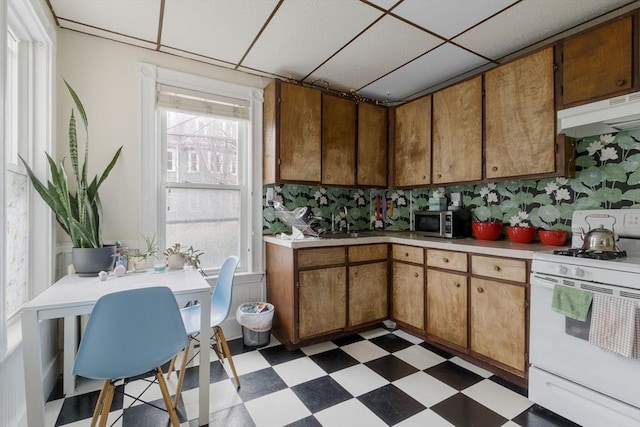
(173, 416)
(227, 353)
(100, 403)
(108, 398)
(172, 366)
(220, 352)
(183, 367)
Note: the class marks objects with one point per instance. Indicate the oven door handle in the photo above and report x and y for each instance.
(543, 281)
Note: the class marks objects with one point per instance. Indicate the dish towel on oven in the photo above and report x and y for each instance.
(615, 325)
(571, 302)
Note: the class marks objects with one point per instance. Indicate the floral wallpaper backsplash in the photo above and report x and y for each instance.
(607, 177)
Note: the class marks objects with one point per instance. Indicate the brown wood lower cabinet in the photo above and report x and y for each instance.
(447, 307)
(407, 295)
(368, 293)
(322, 297)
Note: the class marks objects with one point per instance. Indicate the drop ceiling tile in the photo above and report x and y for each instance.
(304, 33)
(448, 18)
(211, 28)
(196, 57)
(385, 4)
(387, 45)
(529, 22)
(119, 16)
(440, 64)
(106, 35)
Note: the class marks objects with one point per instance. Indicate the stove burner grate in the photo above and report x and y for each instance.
(590, 253)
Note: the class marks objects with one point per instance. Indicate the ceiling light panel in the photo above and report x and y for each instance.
(529, 22)
(221, 29)
(440, 64)
(135, 18)
(304, 33)
(387, 45)
(448, 18)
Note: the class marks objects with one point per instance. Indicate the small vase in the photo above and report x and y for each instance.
(175, 262)
(487, 230)
(553, 237)
(521, 234)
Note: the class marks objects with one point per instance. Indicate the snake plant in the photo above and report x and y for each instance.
(79, 214)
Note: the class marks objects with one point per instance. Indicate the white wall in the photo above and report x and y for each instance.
(105, 75)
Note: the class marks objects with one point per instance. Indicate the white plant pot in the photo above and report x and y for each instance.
(175, 262)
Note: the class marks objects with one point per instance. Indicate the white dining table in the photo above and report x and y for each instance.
(73, 296)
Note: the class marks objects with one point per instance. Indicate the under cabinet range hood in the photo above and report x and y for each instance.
(607, 116)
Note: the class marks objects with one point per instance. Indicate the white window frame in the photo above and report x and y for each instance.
(174, 156)
(33, 26)
(152, 201)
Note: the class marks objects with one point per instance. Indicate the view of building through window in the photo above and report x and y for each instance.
(203, 192)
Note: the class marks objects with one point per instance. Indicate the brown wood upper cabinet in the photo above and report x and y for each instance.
(372, 145)
(338, 140)
(597, 63)
(520, 137)
(292, 133)
(412, 150)
(457, 133)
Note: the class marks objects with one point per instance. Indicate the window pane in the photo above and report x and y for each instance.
(207, 219)
(195, 140)
(16, 240)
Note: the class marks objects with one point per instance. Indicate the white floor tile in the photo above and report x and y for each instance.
(407, 336)
(51, 411)
(419, 357)
(318, 348)
(364, 351)
(247, 362)
(86, 385)
(359, 379)
(374, 333)
(277, 409)
(349, 413)
(498, 398)
(222, 395)
(425, 418)
(470, 366)
(136, 388)
(424, 388)
(510, 424)
(299, 371)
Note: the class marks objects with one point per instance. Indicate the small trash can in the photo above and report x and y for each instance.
(255, 319)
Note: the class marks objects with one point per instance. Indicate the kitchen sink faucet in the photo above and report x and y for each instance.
(333, 218)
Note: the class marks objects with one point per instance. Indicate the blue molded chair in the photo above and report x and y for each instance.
(130, 333)
(220, 307)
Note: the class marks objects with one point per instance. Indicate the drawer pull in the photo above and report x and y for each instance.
(457, 285)
(445, 260)
(497, 268)
(416, 274)
(495, 168)
(406, 254)
(439, 175)
(480, 290)
(424, 176)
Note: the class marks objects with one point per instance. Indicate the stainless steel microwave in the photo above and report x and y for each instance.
(447, 224)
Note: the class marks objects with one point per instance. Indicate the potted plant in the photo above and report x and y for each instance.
(79, 213)
(484, 226)
(519, 230)
(138, 258)
(177, 257)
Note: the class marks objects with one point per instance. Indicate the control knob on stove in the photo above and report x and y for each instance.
(578, 272)
(563, 269)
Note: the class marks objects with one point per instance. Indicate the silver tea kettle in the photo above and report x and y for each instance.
(599, 239)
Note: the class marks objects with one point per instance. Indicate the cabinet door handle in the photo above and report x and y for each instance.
(621, 82)
(439, 175)
(406, 254)
(497, 268)
(480, 290)
(416, 274)
(445, 260)
(457, 285)
(495, 168)
(424, 177)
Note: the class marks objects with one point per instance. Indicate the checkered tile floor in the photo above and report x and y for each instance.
(376, 378)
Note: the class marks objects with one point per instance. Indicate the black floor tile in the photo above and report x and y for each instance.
(391, 404)
(333, 360)
(259, 383)
(436, 350)
(511, 386)
(57, 392)
(309, 421)
(79, 407)
(537, 416)
(391, 342)
(237, 347)
(454, 375)
(191, 377)
(151, 416)
(321, 393)
(349, 339)
(278, 354)
(391, 368)
(236, 416)
(462, 411)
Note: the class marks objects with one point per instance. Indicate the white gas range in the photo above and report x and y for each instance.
(568, 374)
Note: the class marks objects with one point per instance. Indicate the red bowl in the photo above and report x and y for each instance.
(521, 234)
(486, 230)
(553, 237)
